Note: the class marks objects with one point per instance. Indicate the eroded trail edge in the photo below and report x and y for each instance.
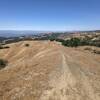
(61, 84)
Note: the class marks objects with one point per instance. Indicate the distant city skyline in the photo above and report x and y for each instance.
(50, 15)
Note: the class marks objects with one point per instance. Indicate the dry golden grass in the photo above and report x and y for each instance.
(48, 71)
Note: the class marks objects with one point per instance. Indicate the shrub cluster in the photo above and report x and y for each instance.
(74, 42)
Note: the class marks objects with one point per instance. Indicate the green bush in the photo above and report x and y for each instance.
(59, 40)
(3, 63)
(73, 42)
(52, 39)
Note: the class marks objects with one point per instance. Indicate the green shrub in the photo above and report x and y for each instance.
(52, 39)
(3, 63)
(73, 42)
(60, 40)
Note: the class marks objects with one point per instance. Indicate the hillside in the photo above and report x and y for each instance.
(46, 70)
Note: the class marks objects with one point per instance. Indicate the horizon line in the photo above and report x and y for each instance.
(49, 30)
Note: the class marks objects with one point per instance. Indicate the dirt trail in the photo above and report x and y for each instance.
(60, 85)
(67, 86)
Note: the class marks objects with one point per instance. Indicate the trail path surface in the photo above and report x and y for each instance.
(49, 71)
(68, 86)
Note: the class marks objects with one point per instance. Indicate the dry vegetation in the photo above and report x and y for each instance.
(49, 71)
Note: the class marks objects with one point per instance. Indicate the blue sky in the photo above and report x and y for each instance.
(49, 15)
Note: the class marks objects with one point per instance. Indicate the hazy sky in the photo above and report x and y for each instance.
(49, 14)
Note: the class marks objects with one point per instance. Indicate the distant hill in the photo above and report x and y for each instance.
(6, 33)
(15, 33)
